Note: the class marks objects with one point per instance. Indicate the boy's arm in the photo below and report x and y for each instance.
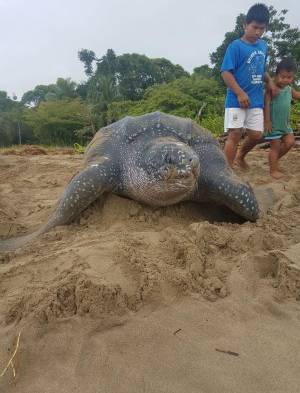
(271, 85)
(267, 112)
(295, 94)
(230, 82)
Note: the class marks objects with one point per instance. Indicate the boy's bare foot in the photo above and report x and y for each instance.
(242, 163)
(276, 174)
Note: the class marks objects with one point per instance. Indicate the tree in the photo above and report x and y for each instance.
(118, 109)
(282, 39)
(37, 95)
(12, 127)
(65, 88)
(108, 65)
(6, 103)
(56, 122)
(121, 78)
(204, 71)
(61, 90)
(165, 71)
(101, 91)
(87, 57)
(135, 75)
(166, 98)
(181, 97)
(130, 73)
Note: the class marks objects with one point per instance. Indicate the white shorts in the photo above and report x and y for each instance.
(250, 119)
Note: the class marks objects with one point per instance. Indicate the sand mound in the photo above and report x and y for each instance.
(26, 150)
(33, 150)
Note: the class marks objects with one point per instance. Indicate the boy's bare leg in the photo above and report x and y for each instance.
(253, 137)
(274, 154)
(288, 141)
(231, 144)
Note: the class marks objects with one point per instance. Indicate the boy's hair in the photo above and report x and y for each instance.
(286, 64)
(259, 12)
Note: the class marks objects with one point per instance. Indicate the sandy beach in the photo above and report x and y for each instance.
(133, 299)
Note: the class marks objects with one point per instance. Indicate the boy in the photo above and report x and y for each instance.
(243, 71)
(277, 111)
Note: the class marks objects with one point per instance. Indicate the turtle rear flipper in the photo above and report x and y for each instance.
(17, 242)
(83, 189)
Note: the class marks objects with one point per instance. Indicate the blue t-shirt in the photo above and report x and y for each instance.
(247, 63)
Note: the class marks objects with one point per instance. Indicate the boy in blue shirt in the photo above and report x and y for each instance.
(244, 71)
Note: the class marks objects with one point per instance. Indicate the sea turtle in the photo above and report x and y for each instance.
(156, 159)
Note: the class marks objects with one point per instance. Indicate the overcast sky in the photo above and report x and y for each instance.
(40, 39)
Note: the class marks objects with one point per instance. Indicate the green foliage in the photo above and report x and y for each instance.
(78, 148)
(204, 71)
(108, 65)
(213, 123)
(8, 128)
(5, 102)
(182, 97)
(55, 122)
(34, 97)
(12, 127)
(84, 134)
(61, 90)
(164, 71)
(87, 57)
(283, 40)
(118, 109)
(101, 91)
(122, 78)
(295, 116)
(135, 75)
(168, 99)
(205, 91)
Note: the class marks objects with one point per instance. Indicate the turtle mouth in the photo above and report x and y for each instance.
(182, 176)
(180, 181)
(180, 186)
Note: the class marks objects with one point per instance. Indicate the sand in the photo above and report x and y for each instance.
(188, 298)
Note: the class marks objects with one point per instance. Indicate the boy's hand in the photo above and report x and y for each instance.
(273, 89)
(243, 100)
(268, 125)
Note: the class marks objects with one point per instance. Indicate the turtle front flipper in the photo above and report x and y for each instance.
(225, 188)
(83, 189)
(217, 181)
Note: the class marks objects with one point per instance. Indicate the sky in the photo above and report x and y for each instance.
(40, 39)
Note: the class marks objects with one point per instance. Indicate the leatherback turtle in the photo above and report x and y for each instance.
(156, 159)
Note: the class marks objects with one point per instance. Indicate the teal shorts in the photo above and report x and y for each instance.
(276, 134)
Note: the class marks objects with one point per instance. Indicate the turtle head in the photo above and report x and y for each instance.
(172, 169)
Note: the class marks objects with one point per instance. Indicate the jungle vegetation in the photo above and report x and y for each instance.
(66, 112)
